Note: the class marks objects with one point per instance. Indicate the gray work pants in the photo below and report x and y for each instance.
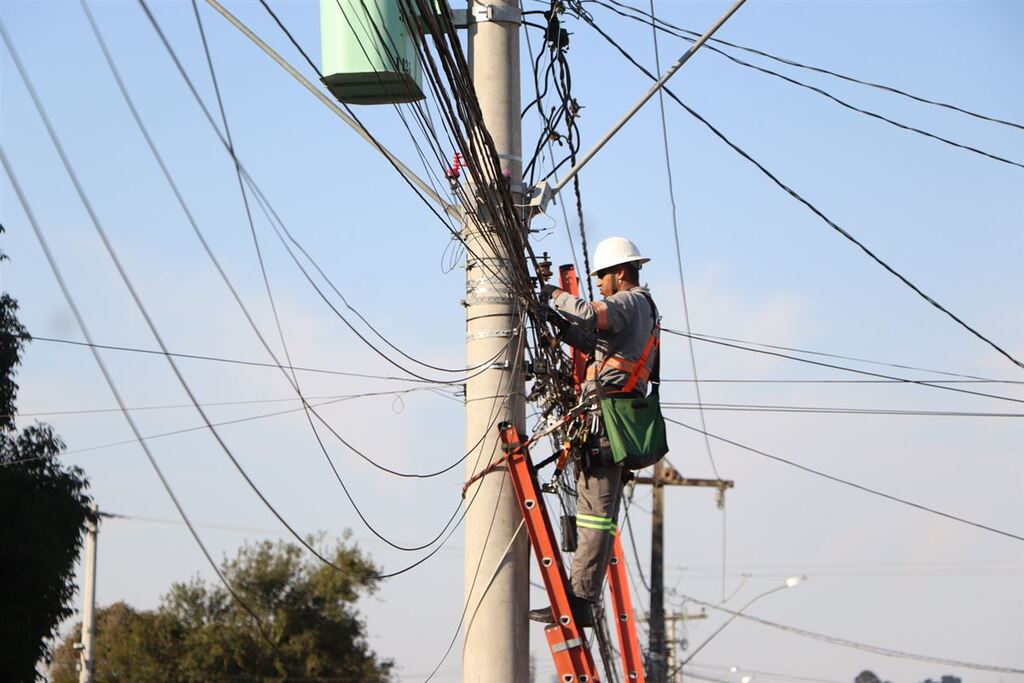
(597, 512)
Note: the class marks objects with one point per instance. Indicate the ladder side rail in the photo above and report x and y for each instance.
(569, 648)
(625, 620)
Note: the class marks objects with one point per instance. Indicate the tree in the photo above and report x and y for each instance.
(200, 633)
(133, 646)
(45, 506)
(867, 677)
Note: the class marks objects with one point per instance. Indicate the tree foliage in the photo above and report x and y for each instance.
(45, 507)
(867, 677)
(200, 633)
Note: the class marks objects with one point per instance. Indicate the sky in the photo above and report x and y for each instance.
(758, 266)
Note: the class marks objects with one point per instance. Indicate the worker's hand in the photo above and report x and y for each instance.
(548, 290)
(551, 316)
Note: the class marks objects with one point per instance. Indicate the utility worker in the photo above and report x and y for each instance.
(615, 333)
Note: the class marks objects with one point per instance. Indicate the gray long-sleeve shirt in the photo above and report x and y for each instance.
(619, 325)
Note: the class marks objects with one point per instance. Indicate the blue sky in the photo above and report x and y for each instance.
(759, 266)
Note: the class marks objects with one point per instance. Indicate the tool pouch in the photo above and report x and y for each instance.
(636, 430)
(599, 452)
(569, 534)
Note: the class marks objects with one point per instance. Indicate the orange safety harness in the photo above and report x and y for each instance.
(637, 369)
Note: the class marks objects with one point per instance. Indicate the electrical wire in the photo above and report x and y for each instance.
(790, 62)
(260, 626)
(202, 427)
(852, 484)
(734, 407)
(264, 203)
(833, 366)
(682, 280)
(705, 380)
(873, 649)
(294, 379)
(195, 227)
(126, 280)
(756, 674)
(550, 142)
(828, 221)
(198, 525)
(172, 406)
(632, 541)
(236, 361)
(837, 100)
(901, 366)
(674, 212)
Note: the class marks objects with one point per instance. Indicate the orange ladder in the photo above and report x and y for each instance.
(569, 647)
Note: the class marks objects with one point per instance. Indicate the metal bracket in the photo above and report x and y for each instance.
(476, 300)
(482, 12)
(490, 334)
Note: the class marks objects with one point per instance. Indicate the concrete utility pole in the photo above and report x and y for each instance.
(675, 670)
(662, 476)
(496, 639)
(86, 662)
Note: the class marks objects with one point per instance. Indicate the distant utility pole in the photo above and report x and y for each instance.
(86, 662)
(675, 670)
(665, 476)
(496, 639)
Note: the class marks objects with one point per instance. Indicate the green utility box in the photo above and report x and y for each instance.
(368, 52)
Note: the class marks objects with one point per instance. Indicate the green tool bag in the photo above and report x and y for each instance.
(636, 430)
(635, 427)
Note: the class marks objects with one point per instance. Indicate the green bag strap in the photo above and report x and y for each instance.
(655, 377)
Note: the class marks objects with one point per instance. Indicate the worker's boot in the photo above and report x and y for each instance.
(582, 612)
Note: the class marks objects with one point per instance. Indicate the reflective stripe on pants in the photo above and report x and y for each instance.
(594, 522)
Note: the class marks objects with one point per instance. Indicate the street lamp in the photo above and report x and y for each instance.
(790, 583)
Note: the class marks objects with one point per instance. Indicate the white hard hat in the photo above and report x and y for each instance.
(615, 251)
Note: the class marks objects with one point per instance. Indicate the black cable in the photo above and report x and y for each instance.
(173, 406)
(294, 380)
(972, 379)
(874, 649)
(851, 484)
(263, 202)
(833, 366)
(754, 408)
(455, 234)
(238, 300)
(260, 626)
(632, 543)
(549, 142)
(234, 421)
(844, 381)
(838, 100)
(675, 234)
(108, 246)
(828, 221)
(790, 62)
(901, 366)
(234, 361)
